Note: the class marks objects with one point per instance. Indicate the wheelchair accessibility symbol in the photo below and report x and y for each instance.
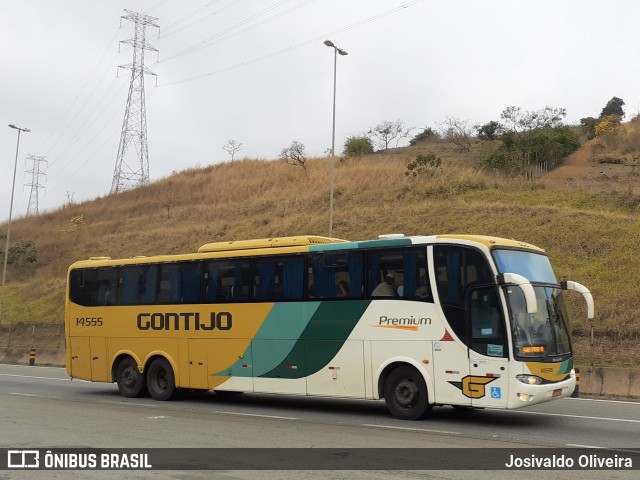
(495, 392)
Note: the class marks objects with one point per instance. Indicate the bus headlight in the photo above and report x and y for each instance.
(529, 379)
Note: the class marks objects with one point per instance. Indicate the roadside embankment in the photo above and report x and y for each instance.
(610, 381)
(19, 339)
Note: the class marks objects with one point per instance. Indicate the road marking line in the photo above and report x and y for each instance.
(409, 429)
(157, 418)
(113, 402)
(581, 446)
(33, 366)
(31, 395)
(256, 415)
(601, 400)
(576, 416)
(41, 378)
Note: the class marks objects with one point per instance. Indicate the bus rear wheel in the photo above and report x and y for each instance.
(405, 394)
(131, 382)
(161, 381)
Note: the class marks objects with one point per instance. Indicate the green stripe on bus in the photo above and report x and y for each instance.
(566, 366)
(274, 340)
(393, 242)
(321, 340)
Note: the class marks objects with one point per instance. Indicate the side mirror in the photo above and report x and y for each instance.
(585, 293)
(525, 286)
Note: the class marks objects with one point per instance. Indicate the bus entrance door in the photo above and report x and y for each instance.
(489, 381)
(488, 352)
(450, 369)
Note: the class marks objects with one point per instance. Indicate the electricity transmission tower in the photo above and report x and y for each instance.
(35, 172)
(134, 126)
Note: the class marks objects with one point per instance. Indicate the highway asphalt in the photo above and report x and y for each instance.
(40, 407)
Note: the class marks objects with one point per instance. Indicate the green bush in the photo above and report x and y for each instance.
(357, 146)
(425, 136)
(423, 165)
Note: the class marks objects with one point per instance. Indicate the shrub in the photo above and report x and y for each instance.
(423, 165)
(357, 146)
(425, 136)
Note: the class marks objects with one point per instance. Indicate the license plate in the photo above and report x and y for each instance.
(557, 392)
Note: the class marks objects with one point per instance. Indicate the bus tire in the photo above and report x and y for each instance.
(161, 381)
(131, 382)
(405, 394)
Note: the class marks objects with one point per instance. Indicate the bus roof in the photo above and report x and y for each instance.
(492, 241)
(268, 243)
(305, 243)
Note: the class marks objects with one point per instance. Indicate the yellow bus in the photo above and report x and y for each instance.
(462, 320)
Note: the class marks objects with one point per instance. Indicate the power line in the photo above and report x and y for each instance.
(61, 120)
(212, 40)
(187, 17)
(99, 113)
(161, 2)
(293, 47)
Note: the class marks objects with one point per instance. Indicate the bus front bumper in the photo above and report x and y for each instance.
(524, 395)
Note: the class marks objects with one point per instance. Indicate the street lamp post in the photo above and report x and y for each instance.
(336, 51)
(13, 185)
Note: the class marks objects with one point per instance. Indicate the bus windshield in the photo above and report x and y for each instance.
(542, 334)
(535, 267)
(545, 333)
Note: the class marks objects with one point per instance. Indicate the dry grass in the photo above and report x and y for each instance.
(591, 237)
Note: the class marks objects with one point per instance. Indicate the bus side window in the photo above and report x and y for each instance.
(190, 286)
(137, 284)
(336, 275)
(83, 286)
(169, 288)
(106, 281)
(488, 334)
(399, 273)
(279, 278)
(456, 268)
(226, 281)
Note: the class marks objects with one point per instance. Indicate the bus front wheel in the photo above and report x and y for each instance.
(161, 381)
(131, 382)
(405, 394)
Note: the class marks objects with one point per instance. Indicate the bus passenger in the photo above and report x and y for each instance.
(343, 290)
(385, 288)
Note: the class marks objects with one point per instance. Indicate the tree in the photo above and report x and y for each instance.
(232, 147)
(357, 146)
(423, 165)
(294, 155)
(386, 132)
(75, 224)
(588, 125)
(489, 131)
(613, 107)
(528, 139)
(518, 121)
(457, 131)
(22, 255)
(425, 136)
(608, 124)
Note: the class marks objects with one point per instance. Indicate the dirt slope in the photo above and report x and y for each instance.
(583, 171)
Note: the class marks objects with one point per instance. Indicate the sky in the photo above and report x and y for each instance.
(257, 72)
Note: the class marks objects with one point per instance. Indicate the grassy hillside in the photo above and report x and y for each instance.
(592, 238)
